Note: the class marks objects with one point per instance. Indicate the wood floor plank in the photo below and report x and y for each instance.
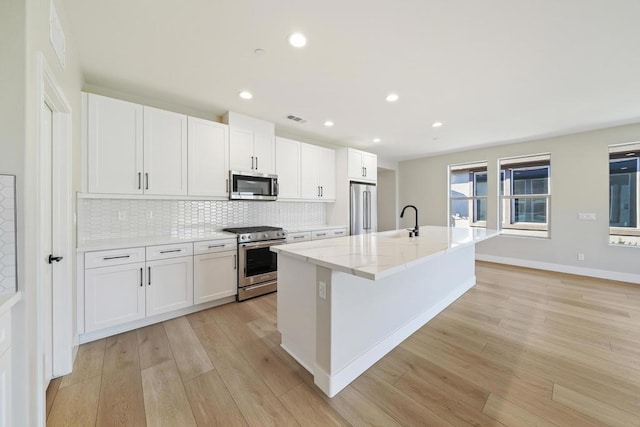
(510, 414)
(76, 404)
(256, 401)
(121, 401)
(309, 409)
(594, 408)
(189, 355)
(52, 390)
(360, 411)
(202, 318)
(212, 403)
(165, 400)
(88, 363)
(153, 346)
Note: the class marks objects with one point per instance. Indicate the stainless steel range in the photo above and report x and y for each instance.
(257, 265)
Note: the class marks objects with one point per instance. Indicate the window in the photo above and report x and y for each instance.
(624, 199)
(525, 195)
(468, 195)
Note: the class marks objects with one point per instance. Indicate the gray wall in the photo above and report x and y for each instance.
(579, 183)
(387, 195)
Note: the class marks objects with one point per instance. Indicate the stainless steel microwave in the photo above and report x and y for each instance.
(253, 186)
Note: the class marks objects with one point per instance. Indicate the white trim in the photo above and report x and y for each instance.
(562, 268)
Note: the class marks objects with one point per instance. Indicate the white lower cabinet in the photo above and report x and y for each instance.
(214, 276)
(114, 295)
(169, 285)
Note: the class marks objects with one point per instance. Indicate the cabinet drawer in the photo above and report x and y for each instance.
(5, 332)
(169, 251)
(298, 237)
(338, 232)
(113, 257)
(328, 234)
(212, 246)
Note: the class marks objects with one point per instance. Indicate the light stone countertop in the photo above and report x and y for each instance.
(310, 228)
(106, 244)
(378, 255)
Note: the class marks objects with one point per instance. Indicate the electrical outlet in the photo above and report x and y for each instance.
(122, 216)
(580, 257)
(322, 290)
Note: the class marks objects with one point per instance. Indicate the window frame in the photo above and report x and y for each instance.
(472, 169)
(617, 231)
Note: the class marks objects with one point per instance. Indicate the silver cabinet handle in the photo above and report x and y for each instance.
(215, 246)
(252, 163)
(149, 276)
(235, 262)
(298, 237)
(139, 181)
(256, 163)
(227, 185)
(115, 257)
(321, 234)
(365, 171)
(318, 191)
(146, 177)
(140, 276)
(321, 191)
(171, 251)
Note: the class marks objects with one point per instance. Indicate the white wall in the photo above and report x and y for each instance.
(24, 31)
(579, 183)
(388, 213)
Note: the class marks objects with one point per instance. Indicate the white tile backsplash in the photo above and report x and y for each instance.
(100, 219)
(7, 235)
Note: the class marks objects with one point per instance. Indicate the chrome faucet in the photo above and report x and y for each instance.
(416, 229)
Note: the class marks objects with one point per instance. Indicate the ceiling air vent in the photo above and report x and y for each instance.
(296, 118)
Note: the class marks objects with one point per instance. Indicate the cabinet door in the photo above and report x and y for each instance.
(113, 295)
(241, 156)
(327, 173)
(169, 285)
(214, 276)
(165, 152)
(114, 145)
(264, 152)
(288, 168)
(208, 158)
(6, 404)
(370, 164)
(355, 164)
(309, 163)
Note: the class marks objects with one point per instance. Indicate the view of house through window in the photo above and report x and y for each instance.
(525, 195)
(468, 195)
(624, 190)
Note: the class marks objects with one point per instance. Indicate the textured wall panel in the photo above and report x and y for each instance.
(7, 235)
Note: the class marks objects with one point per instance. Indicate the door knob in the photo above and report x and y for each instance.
(54, 258)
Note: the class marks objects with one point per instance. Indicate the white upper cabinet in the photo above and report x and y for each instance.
(317, 173)
(114, 145)
(362, 166)
(208, 158)
(251, 144)
(165, 152)
(134, 149)
(288, 167)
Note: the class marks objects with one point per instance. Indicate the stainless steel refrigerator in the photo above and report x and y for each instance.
(363, 208)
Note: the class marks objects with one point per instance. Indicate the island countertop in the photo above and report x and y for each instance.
(378, 255)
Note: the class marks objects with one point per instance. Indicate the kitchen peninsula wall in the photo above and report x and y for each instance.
(100, 219)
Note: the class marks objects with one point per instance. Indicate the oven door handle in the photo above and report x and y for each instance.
(257, 245)
(261, 285)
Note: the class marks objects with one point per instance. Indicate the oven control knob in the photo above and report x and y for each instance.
(265, 235)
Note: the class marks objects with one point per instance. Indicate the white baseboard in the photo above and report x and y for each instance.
(561, 268)
(332, 384)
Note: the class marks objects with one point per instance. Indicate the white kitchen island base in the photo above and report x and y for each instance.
(337, 324)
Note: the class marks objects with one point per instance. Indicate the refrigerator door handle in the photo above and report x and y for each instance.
(366, 211)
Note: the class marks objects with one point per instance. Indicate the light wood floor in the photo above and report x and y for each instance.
(523, 347)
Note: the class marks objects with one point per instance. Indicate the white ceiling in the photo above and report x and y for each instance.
(493, 71)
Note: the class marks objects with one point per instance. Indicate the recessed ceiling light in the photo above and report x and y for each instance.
(392, 97)
(297, 40)
(245, 94)
(376, 140)
(436, 124)
(328, 123)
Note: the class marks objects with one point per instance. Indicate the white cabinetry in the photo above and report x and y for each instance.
(169, 284)
(288, 167)
(134, 149)
(328, 233)
(251, 143)
(362, 166)
(317, 173)
(208, 158)
(214, 270)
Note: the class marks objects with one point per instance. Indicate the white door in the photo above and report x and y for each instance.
(214, 276)
(370, 164)
(165, 152)
(169, 285)
(46, 239)
(327, 173)
(288, 168)
(208, 158)
(241, 156)
(264, 151)
(309, 185)
(114, 146)
(114, 295)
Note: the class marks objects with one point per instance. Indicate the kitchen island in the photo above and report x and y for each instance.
(345, 303)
